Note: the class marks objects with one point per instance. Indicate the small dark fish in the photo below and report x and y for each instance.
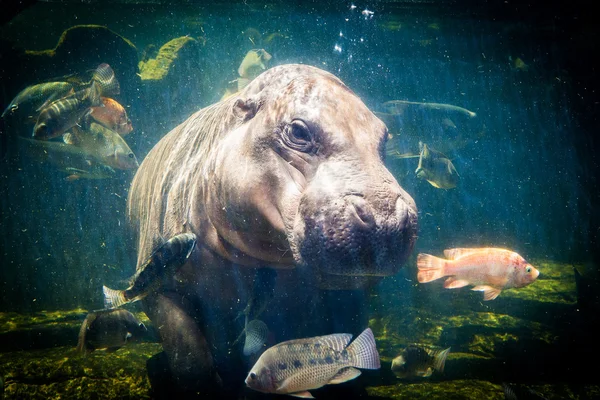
(162, 264)
(436, 168)
(33, 97)
(419, 362)
(61, 115)
(520, 392)
(108, 329)
(297, 366)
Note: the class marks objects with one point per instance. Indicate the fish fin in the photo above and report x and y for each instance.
(256, 336)
(489, 293)
(397, 154)
(113, 298)
(344, 375)
(336, 341)
(509, 393)
(105, 76)
(303, 395)
(81, 346)
(242, 83)
(434, 184)
(453, 283)
(440, 360)
(430, 268)
(70, 138)
(94, 95)
(453, 254)
(364, 351)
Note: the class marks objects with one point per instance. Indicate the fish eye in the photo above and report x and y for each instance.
(298, 136)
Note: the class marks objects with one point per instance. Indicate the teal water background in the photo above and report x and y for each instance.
(526, 170)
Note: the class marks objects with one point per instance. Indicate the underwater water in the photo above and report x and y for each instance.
(503, 92)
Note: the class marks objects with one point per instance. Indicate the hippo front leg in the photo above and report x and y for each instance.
(187, 351)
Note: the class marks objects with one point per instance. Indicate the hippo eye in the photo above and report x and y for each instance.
(297, 136)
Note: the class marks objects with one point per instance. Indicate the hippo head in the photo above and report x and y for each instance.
(310, 187)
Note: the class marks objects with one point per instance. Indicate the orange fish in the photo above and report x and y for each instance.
(489, 269)
(113, 116)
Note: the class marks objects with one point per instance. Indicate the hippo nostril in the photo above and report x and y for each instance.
(403, 212)
(362, 209)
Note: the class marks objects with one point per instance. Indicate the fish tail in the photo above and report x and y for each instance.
(113, 298)
(430, 268)
(105, 76)
(440, 360)
(256, 336)
(364, 350)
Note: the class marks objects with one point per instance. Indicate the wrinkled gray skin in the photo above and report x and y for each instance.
(288, 174)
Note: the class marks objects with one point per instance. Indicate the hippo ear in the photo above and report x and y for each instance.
(245, 109)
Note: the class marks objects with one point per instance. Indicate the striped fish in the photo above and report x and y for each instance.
(63, 114)
(161, 265)
(32, 98)
(418, 361)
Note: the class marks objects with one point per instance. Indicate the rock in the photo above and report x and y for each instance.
(62, 373)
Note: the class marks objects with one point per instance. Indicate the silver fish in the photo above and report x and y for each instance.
(297, 366)
(105, 145)
(108, 329)
(436, 168)
(33, 97)
(69, 159)
(161, 265)
(397, 107)
(417, 361)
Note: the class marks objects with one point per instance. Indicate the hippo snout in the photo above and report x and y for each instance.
(357, 236)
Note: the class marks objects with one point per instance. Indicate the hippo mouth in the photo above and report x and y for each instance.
(350, 239)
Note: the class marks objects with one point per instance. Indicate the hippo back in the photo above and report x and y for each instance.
(159, 200)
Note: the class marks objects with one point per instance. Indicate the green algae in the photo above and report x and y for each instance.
(73, 33)
(11, 321)
(63, 373)
(484, 336)
(457, 389)
(158, 68)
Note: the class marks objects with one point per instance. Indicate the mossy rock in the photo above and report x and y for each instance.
(63, 373)
(45, 329)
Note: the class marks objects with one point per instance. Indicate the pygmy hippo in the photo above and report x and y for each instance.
(287, 175)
